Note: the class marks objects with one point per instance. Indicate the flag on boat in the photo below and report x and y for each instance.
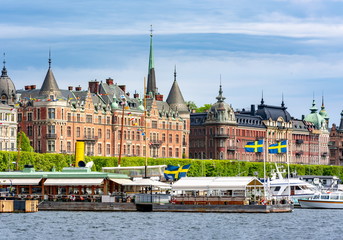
(183, 171)
(279, 147)
(171, 172)
(256, 146)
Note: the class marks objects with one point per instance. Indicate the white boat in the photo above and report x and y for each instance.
(295, 188)
(324, 200)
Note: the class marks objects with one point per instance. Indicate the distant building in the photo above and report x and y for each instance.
(222, 133)
(54, 119)
(8, 113)
(336, 143)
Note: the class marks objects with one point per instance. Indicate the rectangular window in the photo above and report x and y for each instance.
(170, 138)
(51, 146)
(68, 131)
(99, 119)
(163, 137)
(29, 131)
(20, 117)
(51, 113)
(108, 149)
(99, 133)
(177, 152)
(38, 113)
(138, 136)
(99, 149)
(29, 116)
(89, 118)
(108, 120)
(78, 118)
(177, 138)
(68, 147)
(78, 132)
(154, 124)
(69, 117)
(51, 129)
(108, 134)
(170, 152)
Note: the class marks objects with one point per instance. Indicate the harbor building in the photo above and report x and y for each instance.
(8, 112)
(104, 116)
(336, 143)
(222, 133)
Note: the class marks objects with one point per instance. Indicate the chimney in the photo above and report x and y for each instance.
(28, 87)
(78, 88)
(136, 95)
(252, 109)
(70, 88)
(33, 87)
(159, 97)
(122, 87)
(109, 81)
(93, 86)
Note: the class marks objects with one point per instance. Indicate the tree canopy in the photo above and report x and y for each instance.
(25, 142)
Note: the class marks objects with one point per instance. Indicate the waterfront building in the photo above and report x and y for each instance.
(222, 133)
(103, 116)
(336, 143)
(8, 112)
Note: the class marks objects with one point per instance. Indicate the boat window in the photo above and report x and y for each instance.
(325, 196)
(277, 188)
(334, 197)
(297, 188)
(316, 197)
(341, 197)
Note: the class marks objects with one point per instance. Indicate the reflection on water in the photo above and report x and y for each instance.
(300, 224)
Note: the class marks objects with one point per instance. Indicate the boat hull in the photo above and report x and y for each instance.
(319, 203)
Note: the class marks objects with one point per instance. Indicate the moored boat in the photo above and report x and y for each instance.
(333, 200)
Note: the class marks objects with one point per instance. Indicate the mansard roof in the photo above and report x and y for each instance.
(273, 112)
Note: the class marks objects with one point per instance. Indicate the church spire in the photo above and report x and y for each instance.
(4, 70)
(151, 85)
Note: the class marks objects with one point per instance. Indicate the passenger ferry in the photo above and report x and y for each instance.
(332, 200)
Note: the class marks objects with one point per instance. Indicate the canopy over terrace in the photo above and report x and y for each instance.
(220, 185)
(79, 181)
(141, 184)
(155, 172)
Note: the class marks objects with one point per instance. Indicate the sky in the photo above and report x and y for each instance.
(289, 48)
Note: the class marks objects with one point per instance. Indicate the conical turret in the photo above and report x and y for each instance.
(49, 86)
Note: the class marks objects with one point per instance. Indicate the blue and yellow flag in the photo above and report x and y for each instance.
(256, 146)
(171, 172)
(280, 147)
(183, 171)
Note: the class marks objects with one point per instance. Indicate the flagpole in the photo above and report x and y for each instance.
(289, 185)
(264, 169)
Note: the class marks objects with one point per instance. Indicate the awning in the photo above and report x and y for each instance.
(20, 181)
(122, 181)
(73, 182)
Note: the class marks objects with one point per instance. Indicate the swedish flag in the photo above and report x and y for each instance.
(171, 172)
(280, 147)
(183, 171)
(256, 146)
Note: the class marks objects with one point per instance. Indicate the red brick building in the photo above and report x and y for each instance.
(54, 119)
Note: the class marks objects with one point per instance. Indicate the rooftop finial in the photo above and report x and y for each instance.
(151, 30)
(220, 97)
(322, 100)
(4, 62)
(4, 70)
(262, 101)
(49, 58)
(175, 73)
(282, 103)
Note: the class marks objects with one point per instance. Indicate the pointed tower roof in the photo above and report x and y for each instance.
(50, 85)
(323, 112)
(7, 88)
(151, 85)
(175, 98)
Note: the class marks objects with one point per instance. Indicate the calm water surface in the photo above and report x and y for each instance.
(300, 224)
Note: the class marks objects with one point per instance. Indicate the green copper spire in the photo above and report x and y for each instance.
(151, 85)
(151, 56)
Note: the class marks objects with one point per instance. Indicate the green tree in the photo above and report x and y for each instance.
(204, 108)
(191, 105)
(24, 142)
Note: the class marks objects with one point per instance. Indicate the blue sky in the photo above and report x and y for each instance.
(289, 47)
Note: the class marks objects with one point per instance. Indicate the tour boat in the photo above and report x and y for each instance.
(324, 200)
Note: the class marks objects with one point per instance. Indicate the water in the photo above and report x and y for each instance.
(300, 224)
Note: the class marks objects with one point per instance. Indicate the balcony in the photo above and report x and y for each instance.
(221, 135)
(324, 154)
(299, 141)
(299, 153)
(90, 138)
(51, 136)
(231, 148)
(155, 143)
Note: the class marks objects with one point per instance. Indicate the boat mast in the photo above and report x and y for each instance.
(145, 132)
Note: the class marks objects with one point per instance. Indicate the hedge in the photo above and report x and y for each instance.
(209, 168)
